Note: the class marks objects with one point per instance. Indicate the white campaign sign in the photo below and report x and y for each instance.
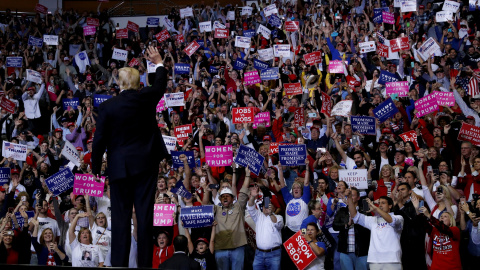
(247, 11)
(50, 39)
(354, 178)
(34, 76)
(119, 54)
(408, 6)
(175, 99)
(265, 54)
(15, 151)
(428, 47)
(217, 24)
(342, 108)
(444, 16)
(151, 67)
(281, 50)
(186, 12)
(368, 46)
(170, 142)
(451, 6)
(231, 16)
(242, 42)
(264, 31)
(71, 153)
(269, 10)
(205, 26)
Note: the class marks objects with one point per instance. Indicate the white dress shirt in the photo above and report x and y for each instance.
(268, 234)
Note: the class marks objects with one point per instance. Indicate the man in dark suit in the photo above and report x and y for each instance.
(127, 129)
(180, 260)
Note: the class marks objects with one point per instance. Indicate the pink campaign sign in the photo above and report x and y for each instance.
(445, 98)
(163, 214)
(400, 88)
(161, 105)
(251, 78)
(262, 118)
(219, 156)
(85, 184)
(387, 17)
(426, 105)
(335, 66)
(89, 30)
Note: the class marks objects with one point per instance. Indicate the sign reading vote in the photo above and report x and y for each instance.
(163, 214)
(219, 156)
(250, 158)
(385, 110)
(292, 155)
(177, 163)
(354, 178)
(60, 182)
(242, 115)
(363, 124)
(98, 99)
(299, 251)
(86, 184)
(197, 216)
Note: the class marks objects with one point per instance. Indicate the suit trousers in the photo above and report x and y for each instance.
(138, 190)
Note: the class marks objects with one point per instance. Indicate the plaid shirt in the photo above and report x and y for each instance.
(421, 20)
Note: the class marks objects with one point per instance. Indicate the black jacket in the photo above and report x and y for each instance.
(180, 261)
(362, 235)
(127, 127)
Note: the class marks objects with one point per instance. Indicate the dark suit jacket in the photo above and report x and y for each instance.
(180, 261)
(128, 130)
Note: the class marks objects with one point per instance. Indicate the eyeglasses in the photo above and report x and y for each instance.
(100, 217)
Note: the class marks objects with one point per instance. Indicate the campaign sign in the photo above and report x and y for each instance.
(260, 65)
(386, 76)
(265, 54)
(281, 50)
(132, 26)
(410, 136)
(363, 124)
(264, 31)
(197, 216)
(34, 76)
(342, 108)
(153, 21)
(217, 24)
(219, 156)
(7, 105)
(242, 115)
(180, 39)
(85, 184)
(395, 45)
(134, 62)
(177, 163)
(270, 74)
(170, 143)
(382, 50)
(162, 35)
(426, 105)
(472, 5)
(400, 88)
(292, 89)
(41, 9)
(262, 118)
(445, 98)
(377, 14)
(34, 41)
(469, 133)
(299, 117)
(98, 99)
(292, 155)
(404, 43)
(60, 181)
(270, 10)
(429, 47)
(175, 99)
(249, 33)
(182, 132)
(4, 175)
(181, 191)
(444, 16)
(119, 54)
(385, 110)
(21, 220)
(186, 12)
(205, 26)
(291, 26)
(312, 58)
(251, 78)
(246, 11)
(181, 68)
(326, 104)
(89, 30)
(50, 39)
(213, 70)
(222, 33)
(191, 48)
(93, 21)
(366, 47)
(163, 214)
(354, 178)
(161, 105)
(248, 157)
(275, 21)
(14, 61)
(274, 147)
(335, 66)
(70, 102)
(388, 17)
(122, 33)
(241, 42)
(299, 251)
(408, 6)
(239, 64)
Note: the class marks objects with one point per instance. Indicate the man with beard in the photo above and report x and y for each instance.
(358, 161)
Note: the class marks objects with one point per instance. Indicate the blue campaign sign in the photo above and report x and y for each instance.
(34, 41)
(292, 155)
(240, 64)
(275, 21)
(249, 33)
(260, 65)
(385, 110)
(377, 14)
(248, 157)
(72, 102)
(386, 76)
(270, 74)
(180, 190)
(4, 176)
(213, 70)
(153, 21)
(274, 33)
(14, 61)
(363, 124)
(197, 216)
(60, 182)
(98, 99)
(176, 162)
(384, 3)
(182, 68)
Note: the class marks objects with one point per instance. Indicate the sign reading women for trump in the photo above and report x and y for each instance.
(262, 118)
(292, 155)
(60, 182)
(250, 158)
(197, 216)
(14, 150)
(354, 178)
(385, 110)
(219, 156)
(163, 214)
(335, 66)
(363, 124)
(86, 184)
(445, 98)
(426, 105)
(400, 88)
(251, 78)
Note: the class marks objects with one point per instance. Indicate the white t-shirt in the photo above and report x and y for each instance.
(103, 205)
(102, 237)
(296, 212)
(132, 261)
(45, 223)
(85, 255)
(68, 250)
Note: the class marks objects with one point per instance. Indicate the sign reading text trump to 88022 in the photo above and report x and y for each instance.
(292, 155)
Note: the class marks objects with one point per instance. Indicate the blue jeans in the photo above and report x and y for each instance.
(336, 255)
(267, 260)
(349, 261)
(230, 259)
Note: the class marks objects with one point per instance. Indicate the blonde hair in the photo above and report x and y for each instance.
(453, 223)
(390, 168)
(106, 220)
(128, 78)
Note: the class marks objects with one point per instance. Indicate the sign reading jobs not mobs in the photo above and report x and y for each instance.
(197, 216)
(218, 156)
(299, 251)
(292, 155)
(243, 115)
(354, 178)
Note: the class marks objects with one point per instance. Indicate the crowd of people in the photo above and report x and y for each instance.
(419, 205)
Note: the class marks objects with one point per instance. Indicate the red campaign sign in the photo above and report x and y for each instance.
(191, 48)
(182, 132)
(395, 45)
(251, 236)
(93, 21)
(122, 33)
(312, 58)
(41, 9)
(162, 36)
(299, 251)
(291, 26)
(274, 147)
(382, 50)
(221, 33)
(292, 89)
(134, 62)
(299, 117)
(7, 105)
(404, 43)
(242, 115)
(132, 26)
(180, 39)
(469, 133)
(410, 136)
(326, 104)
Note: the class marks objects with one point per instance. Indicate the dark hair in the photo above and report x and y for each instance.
(358, 153)
(356, 190)
(311, 205)
(314, 225)
(405, 184)
(412, 173)
(389, 200)
(180, 243)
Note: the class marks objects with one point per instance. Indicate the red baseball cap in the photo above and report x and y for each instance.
(14, 171)
(267, 138)
(80, 149)
(314, 127)
(421, 7)
(58, 130)
(202, 240)
(90, 140)
(70, 124)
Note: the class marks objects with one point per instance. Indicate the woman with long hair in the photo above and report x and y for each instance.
(48, 252)
(98, 224)
(385, 184)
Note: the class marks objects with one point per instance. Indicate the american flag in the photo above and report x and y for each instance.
(473, 88)
(381, 38)
(9, 146)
